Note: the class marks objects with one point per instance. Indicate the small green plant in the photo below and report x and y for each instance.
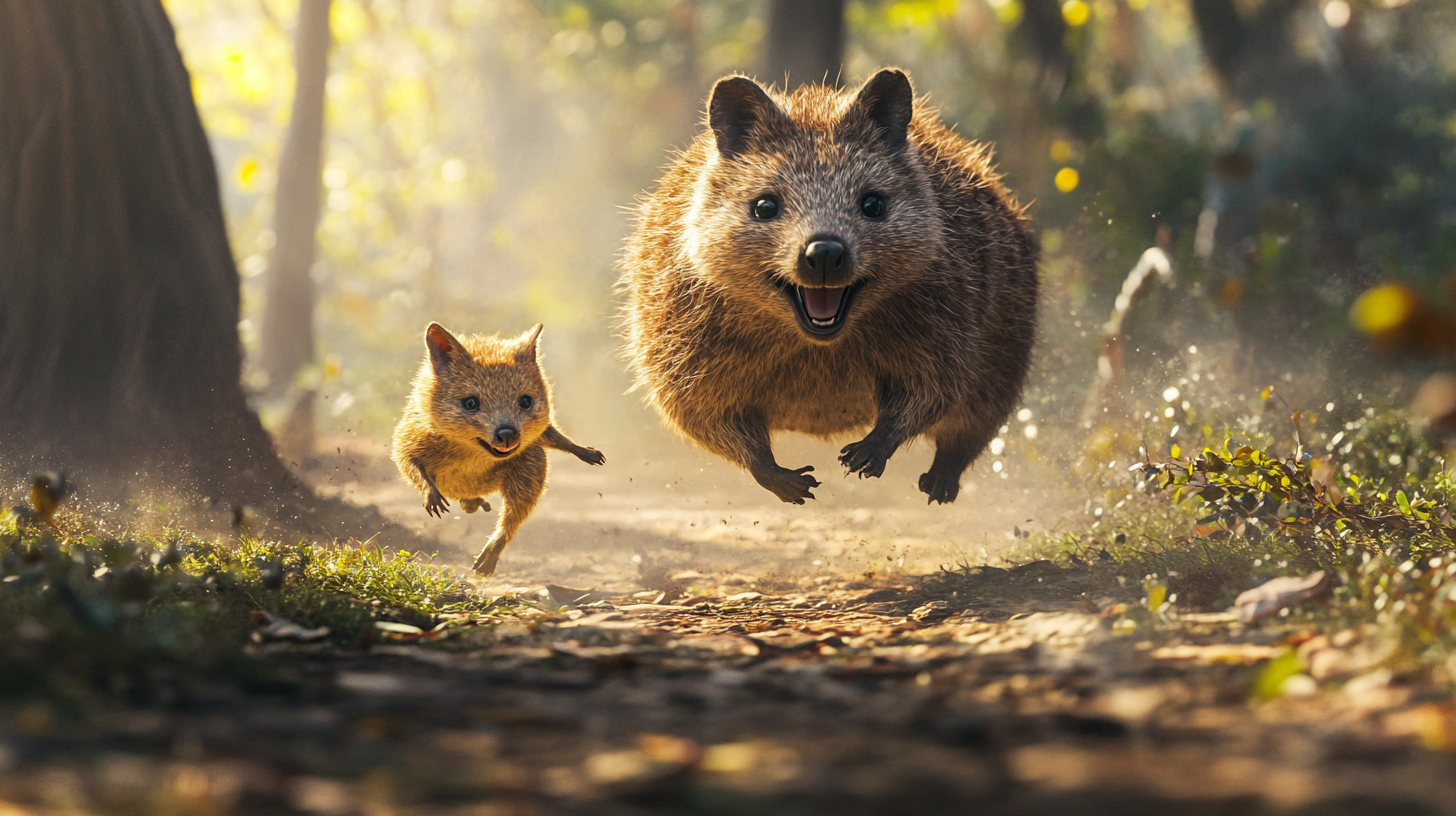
(82, 612)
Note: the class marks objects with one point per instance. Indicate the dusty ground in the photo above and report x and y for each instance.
(704, 649)
(659, 501)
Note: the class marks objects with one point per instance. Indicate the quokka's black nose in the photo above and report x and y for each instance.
(506, 436)
(825, 257)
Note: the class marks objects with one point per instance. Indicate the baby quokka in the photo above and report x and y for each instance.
(478, 422)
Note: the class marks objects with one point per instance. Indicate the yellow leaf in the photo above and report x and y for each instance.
(1157, 594)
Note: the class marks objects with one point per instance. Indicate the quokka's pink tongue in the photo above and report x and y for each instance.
(823, 304)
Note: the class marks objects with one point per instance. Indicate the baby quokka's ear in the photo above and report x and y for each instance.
(528, 345)
(445, 350)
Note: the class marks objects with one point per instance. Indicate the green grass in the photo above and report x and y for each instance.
(82, 613)
(1368, 502)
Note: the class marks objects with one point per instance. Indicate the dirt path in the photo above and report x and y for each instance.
(672, 508)
(700, 649)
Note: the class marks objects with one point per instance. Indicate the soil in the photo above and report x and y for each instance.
(702, 648)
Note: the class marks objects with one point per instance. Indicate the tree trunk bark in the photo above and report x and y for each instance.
(119, 352)
(287, 334)
(805, 42)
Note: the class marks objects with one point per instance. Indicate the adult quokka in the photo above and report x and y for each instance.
(825, 262)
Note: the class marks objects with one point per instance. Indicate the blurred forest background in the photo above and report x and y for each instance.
(479, 159)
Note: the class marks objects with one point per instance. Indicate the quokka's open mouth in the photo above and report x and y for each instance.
(499, 453)
(821, 310)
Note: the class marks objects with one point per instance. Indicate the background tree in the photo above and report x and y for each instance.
(805, 42)
(288, 331)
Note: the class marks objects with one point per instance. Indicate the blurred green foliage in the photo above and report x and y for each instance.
(480, 157)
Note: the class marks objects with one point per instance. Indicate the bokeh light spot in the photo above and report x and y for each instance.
(1337, 13)
(1382, 309)
(1077, 12)
(1067, 179)
(1061, 151)
(247, 172)
(1007, 11)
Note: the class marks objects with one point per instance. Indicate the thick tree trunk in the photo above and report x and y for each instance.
(287, 336)
(119, 352)
(805, 42)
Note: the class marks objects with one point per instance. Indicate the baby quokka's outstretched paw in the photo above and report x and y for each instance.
(435, 503)
(592, 456)
(940, 487)
(866, 457)
(471, 505)
(790, 485)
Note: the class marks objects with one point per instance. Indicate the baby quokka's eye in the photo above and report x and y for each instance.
(525, 402)
(872, 205)
(471, 404)
(766, 208)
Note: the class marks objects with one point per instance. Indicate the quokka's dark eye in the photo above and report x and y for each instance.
(766, 208)
(525, 402)
(471, 404)
(872, 206)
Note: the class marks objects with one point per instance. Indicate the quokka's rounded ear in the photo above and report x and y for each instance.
(887, 100)
(736, 108)
(527, 345)
(445, 350)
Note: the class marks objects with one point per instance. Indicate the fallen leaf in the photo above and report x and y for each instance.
(277, 627)
(1267, 599)
(566, 596)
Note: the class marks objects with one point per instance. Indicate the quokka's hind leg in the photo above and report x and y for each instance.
(520, 490)
(471, 505)
(957, 444)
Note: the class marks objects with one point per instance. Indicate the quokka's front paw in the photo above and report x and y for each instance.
(471, 505)
(866, 457)
(940, 487)
(435, 503)
(790, 485)
(592, 456)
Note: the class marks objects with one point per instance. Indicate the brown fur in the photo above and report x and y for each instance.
(447, 451)
(935, 343)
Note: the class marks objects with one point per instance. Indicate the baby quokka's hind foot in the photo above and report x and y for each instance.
(487, 559)
(471, 505)
(519, 491)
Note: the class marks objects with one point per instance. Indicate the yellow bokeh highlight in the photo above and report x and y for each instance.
(1383, 309)
(919, 13)
(1061, 151)
(247, 172)
(243, 75)
(1076, 12)
(347, 22)
(1007, 11)
(1067, 179)
(1137, 5)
